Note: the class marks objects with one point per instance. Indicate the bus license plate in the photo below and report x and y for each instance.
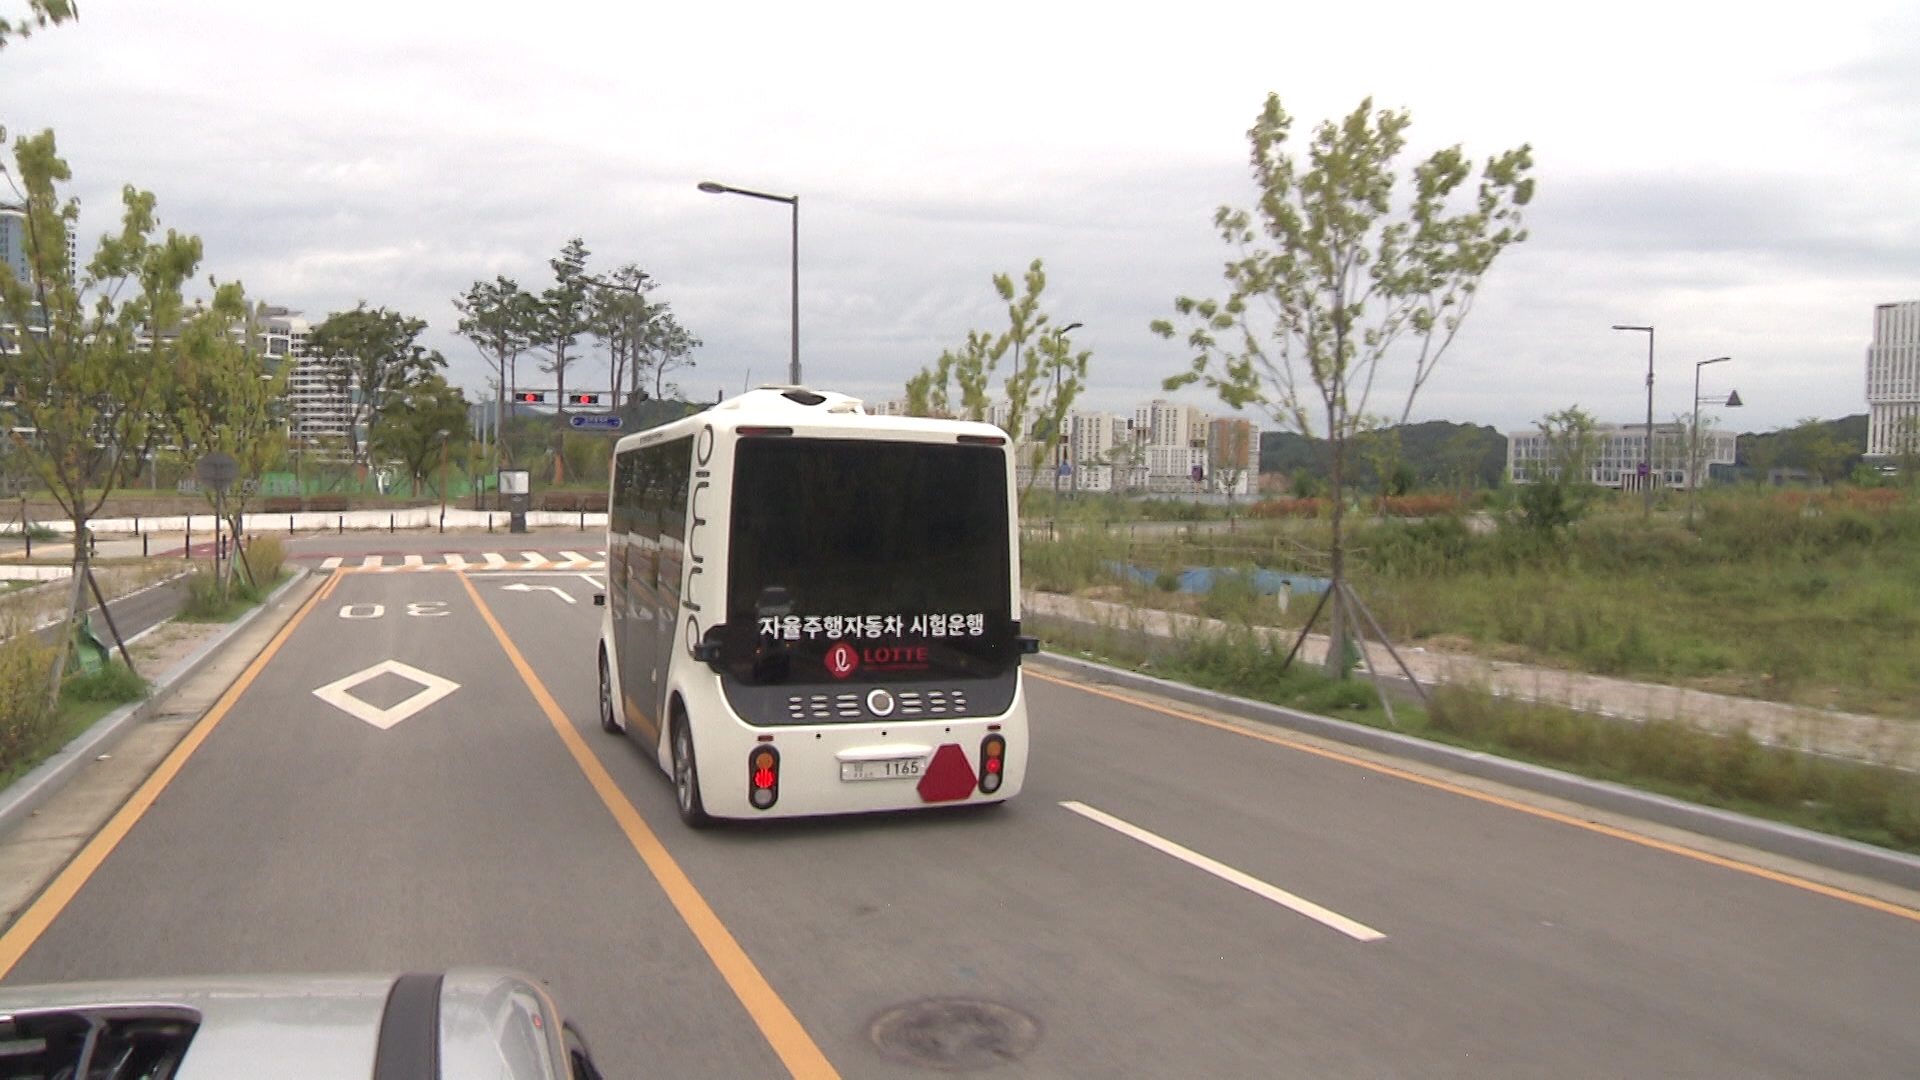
(887, 769)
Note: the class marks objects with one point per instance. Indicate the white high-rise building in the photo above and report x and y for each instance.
(319, 407)
(1893, 380)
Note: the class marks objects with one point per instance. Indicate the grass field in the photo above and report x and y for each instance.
(1861, 802)
(1808, 599)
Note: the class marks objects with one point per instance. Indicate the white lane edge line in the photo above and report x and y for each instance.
(1299, 905)
(591, 580)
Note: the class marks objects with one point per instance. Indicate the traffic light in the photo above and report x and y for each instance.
(583, 399)
(530, 397)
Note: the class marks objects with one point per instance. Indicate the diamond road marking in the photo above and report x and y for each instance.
(432, 689)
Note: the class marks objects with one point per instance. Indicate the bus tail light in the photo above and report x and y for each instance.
(993, 763)
(763, 777)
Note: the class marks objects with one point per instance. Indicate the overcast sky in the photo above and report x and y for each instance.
(1746, 181)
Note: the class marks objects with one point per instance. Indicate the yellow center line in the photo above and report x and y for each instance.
(1497, 800)
(777, 1023)
(47, 907)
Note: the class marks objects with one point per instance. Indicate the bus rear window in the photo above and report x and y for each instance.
(866, 559)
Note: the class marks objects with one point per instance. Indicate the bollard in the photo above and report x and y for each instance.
(136, 523)
(289, 524)
(390, 523)
(489, 526)
(583, 521)
(186, 542)
(143, 545)
(28, 533)
(343, 524)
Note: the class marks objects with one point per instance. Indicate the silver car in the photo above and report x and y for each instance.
(467, 1024)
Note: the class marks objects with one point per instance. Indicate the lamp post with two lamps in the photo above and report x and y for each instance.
(712, 188)
(1731, 401)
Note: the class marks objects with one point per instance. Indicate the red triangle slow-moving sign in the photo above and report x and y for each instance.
(949, 776)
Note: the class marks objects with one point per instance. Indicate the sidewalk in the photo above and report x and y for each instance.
(1875, 739)
(171, 533)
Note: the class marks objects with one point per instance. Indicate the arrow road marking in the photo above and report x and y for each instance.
(521, 586)
(1323, 916)
(432, 689)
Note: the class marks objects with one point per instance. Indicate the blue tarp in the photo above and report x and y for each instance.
(1200, 579)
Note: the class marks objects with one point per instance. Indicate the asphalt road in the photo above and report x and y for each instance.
(132, 613)
(1502, 942)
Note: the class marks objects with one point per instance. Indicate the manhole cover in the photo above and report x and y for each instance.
(954, 1033)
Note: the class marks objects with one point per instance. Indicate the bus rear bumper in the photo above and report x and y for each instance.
(862, 768)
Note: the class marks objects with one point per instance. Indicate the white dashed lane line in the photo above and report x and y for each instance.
(1356, 930)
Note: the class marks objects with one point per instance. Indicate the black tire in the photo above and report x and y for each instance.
(608, 722)
(686, 777)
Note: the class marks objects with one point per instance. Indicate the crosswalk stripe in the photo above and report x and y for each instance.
(529, 560)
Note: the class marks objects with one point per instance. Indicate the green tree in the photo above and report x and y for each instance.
(227, 394)
(40, 14)
(411, 427)
(1812, 445)
(1062, 376)
(666, 346)
(970, 370)
(372, 355)
(1332, 276)
(498, 317)
(620, 316)
(565, 313)
(1562, 491)
(88, 354)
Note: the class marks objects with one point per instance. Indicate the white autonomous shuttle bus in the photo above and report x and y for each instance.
(811, 610)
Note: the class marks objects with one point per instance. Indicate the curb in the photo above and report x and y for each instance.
(44, 781)
(1832, 852)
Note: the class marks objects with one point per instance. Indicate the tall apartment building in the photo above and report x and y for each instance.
(1621, 451)
(1893, 380)
(319, 408)
(13, 243)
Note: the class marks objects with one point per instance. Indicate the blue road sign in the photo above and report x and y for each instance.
(596, 422)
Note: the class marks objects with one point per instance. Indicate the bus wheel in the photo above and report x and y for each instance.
(608, 722)
(686, 777)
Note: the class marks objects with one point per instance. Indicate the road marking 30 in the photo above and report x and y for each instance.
(1327, 917)
(796, 1049)
(39, 915)
(1721, 861)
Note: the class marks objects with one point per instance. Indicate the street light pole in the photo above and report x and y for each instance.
(1693, 451)
(1059, 440)
(1647, 459)
(712, 188)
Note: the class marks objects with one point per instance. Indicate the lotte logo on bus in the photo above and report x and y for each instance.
(841, 660)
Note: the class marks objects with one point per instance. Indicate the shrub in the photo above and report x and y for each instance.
(1419, 506)
(265, 557)
(1271, 508)
(203, 596)
(25, 666)
(111, 681)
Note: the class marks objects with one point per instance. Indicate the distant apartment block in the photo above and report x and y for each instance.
(13, 244)
(318, 406)
(1621, 451)
(1893, 380)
